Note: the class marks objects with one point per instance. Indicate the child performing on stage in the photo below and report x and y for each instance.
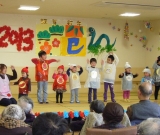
(109, 73)
(59, 85)
(147, 76)
(24, 83)
(42, 69)
(127, 78)
(74, 81)
(93, 80)
(156, 77)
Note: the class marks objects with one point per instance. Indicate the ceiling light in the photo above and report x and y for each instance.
(22, 7)
(129, 14)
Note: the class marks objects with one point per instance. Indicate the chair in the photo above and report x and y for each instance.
(121, 131)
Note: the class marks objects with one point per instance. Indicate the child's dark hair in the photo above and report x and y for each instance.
(111, 57)
(41, 53)
(2, 66)
(93, 60)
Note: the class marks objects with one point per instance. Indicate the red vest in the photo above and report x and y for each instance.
(59, 82)
(23, 86)
(42, 69)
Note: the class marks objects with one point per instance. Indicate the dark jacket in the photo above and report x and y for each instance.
(16, 131)
(143, 110)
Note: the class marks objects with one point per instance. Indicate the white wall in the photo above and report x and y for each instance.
(135, 54)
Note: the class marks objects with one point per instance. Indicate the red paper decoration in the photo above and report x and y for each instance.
(81, 114)
(60, 114)
(71, 114)
(17, 38)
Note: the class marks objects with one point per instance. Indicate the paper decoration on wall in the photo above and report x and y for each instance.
(23, 39)
(113, 27)
(143, 39)
(126, 31)
(136, 36)
(109, 23)
(43, 21)
(148, 25)
(131, 33)
(68, 40)
(95, 47)
(119, 29)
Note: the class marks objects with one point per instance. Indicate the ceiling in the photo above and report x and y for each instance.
(84, 8)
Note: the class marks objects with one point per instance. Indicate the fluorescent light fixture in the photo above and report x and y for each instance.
(33, 8)
(129, 14)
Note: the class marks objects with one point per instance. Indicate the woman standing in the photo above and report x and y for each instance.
(5, 92)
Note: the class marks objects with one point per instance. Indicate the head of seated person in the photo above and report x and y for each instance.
(12, 121)
(97, 106)
(145, 91)
(26, 104)
(112, 115)
(49, 124)
(151, 126)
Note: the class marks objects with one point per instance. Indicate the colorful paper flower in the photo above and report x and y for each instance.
(55, 43)
(86, 113)
(46, 47)
(65, 115)
(71, 114)
(76, 114)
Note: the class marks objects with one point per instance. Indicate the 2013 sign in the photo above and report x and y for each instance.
(13, 37)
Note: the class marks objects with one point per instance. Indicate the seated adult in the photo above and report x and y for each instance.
(26, 104)
(145, 108)
(150, 126)
(94, 118)
(12, 121)
(112, 115)
(5, 92)
(49, 124)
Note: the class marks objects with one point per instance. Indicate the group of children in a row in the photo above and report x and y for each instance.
(92, 83)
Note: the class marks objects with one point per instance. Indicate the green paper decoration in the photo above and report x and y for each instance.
(56, 30)
(43, 34)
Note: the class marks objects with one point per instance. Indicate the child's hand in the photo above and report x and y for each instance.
(122, 74)
(12, 67)
(102, 62)
(110, 53)
(78, 66)
(56, 72)
(136, 74)
(64, 72)
(31, 112)
(87, 61)
(58, 61)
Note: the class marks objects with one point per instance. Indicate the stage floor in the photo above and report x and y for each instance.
(83, 105)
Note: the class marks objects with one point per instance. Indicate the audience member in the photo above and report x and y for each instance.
(145, 108)
(49, 124)
(12, 121)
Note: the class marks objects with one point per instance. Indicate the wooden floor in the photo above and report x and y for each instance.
(83, 105)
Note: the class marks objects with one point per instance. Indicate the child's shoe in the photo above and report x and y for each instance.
(128, 101)
(71, 102)
(77, 102)
(57, 102)
(125, 100)
(113, 100)
(61, 102)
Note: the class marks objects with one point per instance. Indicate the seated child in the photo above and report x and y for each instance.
(74, 81)
(24, 83)
(127, 78)
(59, 84)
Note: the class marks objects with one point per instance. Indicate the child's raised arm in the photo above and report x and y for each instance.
(88, 66)
(55, 74)
(116, 59)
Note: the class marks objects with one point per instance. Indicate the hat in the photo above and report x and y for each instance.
(25, 70)
(147, 70)
(15, 112)
(61, 67)
(73, 65)
(127, 65)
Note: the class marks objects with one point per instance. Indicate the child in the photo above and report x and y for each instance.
(42, 69)
(74, 81)
(93, 81)
(24, 83)
(127, 78)
(156, 77)
(109, 72)
(5, 92)
(147, 76)
(59, 85)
